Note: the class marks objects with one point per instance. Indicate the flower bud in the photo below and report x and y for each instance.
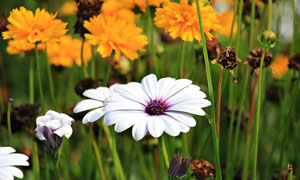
(269, 35)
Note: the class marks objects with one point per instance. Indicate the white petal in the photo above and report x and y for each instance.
(187, 108)
(183, 127)
(14, 171)
(125, 120)
(139, 130)
(43, 119)
(164, 85)
(183, 118)
(93, 116)
(53, 114)
(187, 93)
(64, 131)
(5, 175)
(170, 125)
(100, 94)
(6, 150)
(65, 119)
(155, 126)
(132, 91)
(39, 133)
(149, 84)
(178, 86)
(53, 124)
(121, 103)
(15, 159)
(87, 105)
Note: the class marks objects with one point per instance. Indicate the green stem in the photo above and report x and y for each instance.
(181, 59)
(9, 123)
(56, 169)
(219, 102)
(108, 69)
(99, 160)
(46, 159)
(152, 44)
(238, 37)
(35, 161)
(31, 81)
(93, 67)
(251, 25)
(39, 78)
(294, 40)
(290, 170)
(50, 79)
(83, 65)
(233, 21)
(165, 152)
(161, 159)
(269, 14)
(258, 115)
(211, 95)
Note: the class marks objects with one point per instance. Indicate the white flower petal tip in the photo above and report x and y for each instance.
(9, 159)
(155, 106)
(52, 127)
(97, 100)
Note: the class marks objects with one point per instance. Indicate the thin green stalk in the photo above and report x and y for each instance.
(46, 159)
(112, 145)
(211, 95)
(142, 162)
(93, 63)
(152, 44)
(290, 170)
(50, 79)
(39, 78)
(251, 25)
(161, 159)
(64, 157)
(233, 21)
(165, 152)
(258, 114)
(269, 25)
(83, 65)
(181, 58)
(246, 161)
(99, 160)
(238, 37)
(31, 81)
(108, 69)
(9, 123)
(56, 169)
(294, 39)
(35, 161)
(219, 102)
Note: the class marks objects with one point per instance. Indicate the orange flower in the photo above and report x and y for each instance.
(226, 21)
(280, 66)
(181, 20)
(115, 34)
(67, 51)
(68, 8)
(20, 47)
(142, 4)
(41, 27)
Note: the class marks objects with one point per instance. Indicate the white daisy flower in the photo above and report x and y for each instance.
(9, 159)
(96, 103)
(52, 127)
(155, 106)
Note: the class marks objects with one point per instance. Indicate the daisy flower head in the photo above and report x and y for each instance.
(181, 20)
(9, 159)
(33, 28)
(155, 106)
(113, 34)
(52, 127)
(22, 47)
(96, 103)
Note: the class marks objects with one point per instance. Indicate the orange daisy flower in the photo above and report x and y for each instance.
(71, 52)
(280, 66)
(226, 21)
(110, 33)
(181, 20)
(20, 47)
(41, 27)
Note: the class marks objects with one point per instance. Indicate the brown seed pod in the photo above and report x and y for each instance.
(255, 57)
(202, 169)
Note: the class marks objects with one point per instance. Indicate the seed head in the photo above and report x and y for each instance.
(202, 169)
(179, 164)
(255, 57)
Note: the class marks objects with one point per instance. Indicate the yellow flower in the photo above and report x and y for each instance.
(115, 34)
(119, 10)
(68, 8)
(181, 20)
(68, 50)
(226, 21)
(20, 47)
(280, 66)
(41, 27)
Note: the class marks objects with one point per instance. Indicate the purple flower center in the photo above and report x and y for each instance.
(156, 107)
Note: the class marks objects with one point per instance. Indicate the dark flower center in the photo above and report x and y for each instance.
(156, 107)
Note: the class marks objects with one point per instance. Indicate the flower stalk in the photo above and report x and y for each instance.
(108, 69)
(9, 122)
(50, 79)
(83, 66)
(31, 81)
(39, 78)
(181, 60)
(211, 95)
(259, 94)
(219, 102)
